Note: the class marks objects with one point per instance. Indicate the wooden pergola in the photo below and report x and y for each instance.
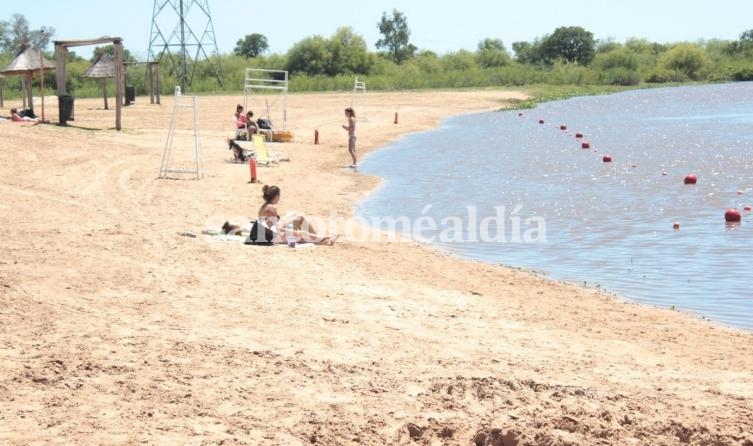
(61, 50)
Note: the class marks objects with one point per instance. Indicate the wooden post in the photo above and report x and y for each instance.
(29, 96)
(104, 91)
(60, 74)
(2, 87)
(41, 80)
(153, 71)
(156, 66)
(119, 80)
(150, 72)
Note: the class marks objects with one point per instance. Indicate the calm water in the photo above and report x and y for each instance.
(607, 224)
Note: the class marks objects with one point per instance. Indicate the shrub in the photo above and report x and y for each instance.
(743, 74)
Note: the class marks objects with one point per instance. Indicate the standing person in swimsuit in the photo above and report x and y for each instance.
(351, 128)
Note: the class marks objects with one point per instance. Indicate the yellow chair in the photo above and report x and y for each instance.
(262, 156)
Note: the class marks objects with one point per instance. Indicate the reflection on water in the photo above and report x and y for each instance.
(607, 224)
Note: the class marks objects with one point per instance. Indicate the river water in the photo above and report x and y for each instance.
(607, 225)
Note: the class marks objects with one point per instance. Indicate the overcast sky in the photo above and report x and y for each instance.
(438, 26)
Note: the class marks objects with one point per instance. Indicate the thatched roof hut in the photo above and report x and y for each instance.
(102, 68)
(26, 63)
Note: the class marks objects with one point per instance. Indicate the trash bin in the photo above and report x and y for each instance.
(130, 95)
(65, 109)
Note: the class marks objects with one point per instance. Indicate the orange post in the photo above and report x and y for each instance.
(252, 169)
(395, 118)
(316, 136)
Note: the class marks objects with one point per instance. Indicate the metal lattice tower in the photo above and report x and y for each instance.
(182, 31)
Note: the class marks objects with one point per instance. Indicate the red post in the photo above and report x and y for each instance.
(252, 169)
(395, 118)
(316, 136)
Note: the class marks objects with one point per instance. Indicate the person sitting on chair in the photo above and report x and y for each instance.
(250, 123)
(240, 118)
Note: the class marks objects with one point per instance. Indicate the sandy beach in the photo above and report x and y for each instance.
(117, 329)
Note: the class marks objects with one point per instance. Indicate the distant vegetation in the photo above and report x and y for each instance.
(569, 59)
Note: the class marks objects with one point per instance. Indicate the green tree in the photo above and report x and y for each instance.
(492, 53)
(462, 60)
(607, 45)
(16, 34)
(644, 47)
(742, 46)
(527, 52)
(251, 46)
(343, 53)
(686, 58)
(569, 43)
(310, 56)
(617, 58)
(348, 53)
(395, 36)
(110, 51)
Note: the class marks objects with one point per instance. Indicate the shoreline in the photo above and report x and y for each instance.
(547, 271)
(118, 330)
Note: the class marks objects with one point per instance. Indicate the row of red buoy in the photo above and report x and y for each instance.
(731, 215)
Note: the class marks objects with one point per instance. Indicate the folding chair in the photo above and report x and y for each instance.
(262, 156)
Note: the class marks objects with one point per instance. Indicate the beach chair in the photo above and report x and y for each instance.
(264, 127)
(262, 156)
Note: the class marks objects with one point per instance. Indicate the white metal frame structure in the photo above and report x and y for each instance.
(180, 102)
(359, 86)
(258, 81)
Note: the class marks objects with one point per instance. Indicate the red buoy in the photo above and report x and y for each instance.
(579, 135)
(747, 208)
(676, 226)
(563, 127)
(541, 121)
(316, 136)
(585, 145)
(691, 179)
(606, 158)
(732, 215)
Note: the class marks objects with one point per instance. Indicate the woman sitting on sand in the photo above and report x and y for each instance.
(294, 227)
(15, 117)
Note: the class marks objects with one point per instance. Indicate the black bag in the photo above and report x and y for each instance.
(256, 237)
(264, 123)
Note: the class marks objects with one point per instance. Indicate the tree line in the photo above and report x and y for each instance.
(569, 55)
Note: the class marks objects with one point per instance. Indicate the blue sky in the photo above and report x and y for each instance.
(437, 26)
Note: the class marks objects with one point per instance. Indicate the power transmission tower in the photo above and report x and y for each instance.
(181, 31)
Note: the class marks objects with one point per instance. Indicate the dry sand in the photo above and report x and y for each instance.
(117, 330)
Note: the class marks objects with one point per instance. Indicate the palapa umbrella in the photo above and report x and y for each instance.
(26, 62)
(102, 68)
